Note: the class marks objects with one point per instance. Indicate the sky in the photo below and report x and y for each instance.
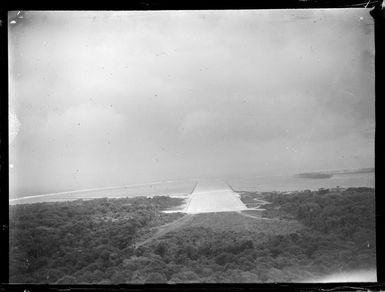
(101, 99)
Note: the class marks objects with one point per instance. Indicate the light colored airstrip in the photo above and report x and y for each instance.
(214, 196)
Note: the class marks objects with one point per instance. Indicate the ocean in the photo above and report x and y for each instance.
(176, 188)
(292, 183)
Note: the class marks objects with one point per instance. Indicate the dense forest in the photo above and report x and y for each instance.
(300, 236)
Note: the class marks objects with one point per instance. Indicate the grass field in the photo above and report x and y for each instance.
(226, 221)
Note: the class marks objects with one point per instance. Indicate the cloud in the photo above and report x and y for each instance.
(116, 97)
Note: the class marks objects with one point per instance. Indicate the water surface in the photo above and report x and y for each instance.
(292, 183)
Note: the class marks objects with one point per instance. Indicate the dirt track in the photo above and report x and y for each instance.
(162, 230)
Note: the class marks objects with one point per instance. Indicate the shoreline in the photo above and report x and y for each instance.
(187, 196)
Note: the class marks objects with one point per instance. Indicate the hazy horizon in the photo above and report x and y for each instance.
(116, 98)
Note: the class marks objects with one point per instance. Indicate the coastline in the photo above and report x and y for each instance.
(184, 188)
(159, 188)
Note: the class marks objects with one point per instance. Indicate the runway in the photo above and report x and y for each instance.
(213, 196)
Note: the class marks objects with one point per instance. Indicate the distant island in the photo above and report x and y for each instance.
(357, 170)
(313, 175)
(330, 173)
